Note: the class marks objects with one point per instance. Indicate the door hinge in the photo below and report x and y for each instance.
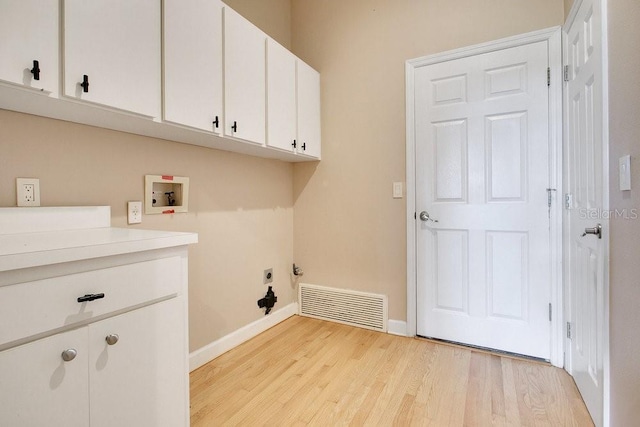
(548, 76)
(550, 309)
(569, 330)
(549, 197)
(566, 73)
(568, 201)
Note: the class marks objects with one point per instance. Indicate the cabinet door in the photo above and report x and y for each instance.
(244, 78)
(308, 111)
(281, 97)
(142, 379)
(29, 32)
(193, 63)
(38, 388)
(116, 43)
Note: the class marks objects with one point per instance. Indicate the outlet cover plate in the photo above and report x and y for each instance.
(134, 212)
(268, 276)
(28, 191)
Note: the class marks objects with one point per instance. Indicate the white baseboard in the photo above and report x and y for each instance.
(209, 352)
(397, 327)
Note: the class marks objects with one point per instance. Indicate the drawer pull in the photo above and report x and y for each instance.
(111, 339)
(85, 83)
(90, 297)
(36, 70)
(69, 355)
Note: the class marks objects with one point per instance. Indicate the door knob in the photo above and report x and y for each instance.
(597, 231)
(69, 355)
(424, 216)
(111, 339)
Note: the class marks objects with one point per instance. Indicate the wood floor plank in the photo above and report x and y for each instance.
(310, 372)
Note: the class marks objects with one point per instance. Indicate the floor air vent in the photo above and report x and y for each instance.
(353, 308)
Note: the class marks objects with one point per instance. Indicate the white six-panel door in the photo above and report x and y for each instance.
(585, 256)
(482, 172)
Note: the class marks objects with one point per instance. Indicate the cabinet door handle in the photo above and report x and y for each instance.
(69, 354)
(304, 146)
(234, 128)
(294, 144)
(85, 83)
(216, 122)
(90, 297)
(111, 339)
(36, 70)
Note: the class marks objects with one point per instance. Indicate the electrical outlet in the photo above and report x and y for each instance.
(268, 276)
(28, 191)
(134, 212)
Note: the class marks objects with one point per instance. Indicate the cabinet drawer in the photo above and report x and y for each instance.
(32, 308)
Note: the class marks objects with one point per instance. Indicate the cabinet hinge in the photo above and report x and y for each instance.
(548, 76)
(569, 330)
(550, 309)
(566, 73)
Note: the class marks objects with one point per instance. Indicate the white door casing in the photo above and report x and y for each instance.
(487, 271)
(585, 186)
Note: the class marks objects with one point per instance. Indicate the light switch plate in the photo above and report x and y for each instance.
(624, 169)
(134, 212)
(397, 190)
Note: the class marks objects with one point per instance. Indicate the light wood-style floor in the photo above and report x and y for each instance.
(310, 372)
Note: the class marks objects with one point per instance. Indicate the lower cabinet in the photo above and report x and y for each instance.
(125, 370)
(38, 388)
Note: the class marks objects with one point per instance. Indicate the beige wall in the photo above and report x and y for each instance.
(349, 232)
(271, 16)
(567, 7)
(241, 207)
(624, 95)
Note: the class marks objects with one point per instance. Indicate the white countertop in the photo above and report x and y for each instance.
(33, 237)
(51, 247)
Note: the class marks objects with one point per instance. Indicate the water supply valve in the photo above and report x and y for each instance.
(268, 301)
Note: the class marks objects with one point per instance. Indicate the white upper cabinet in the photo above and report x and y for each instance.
(244, 79)
(193, 63)
(112, 53)
(192, 71)
(308, 111)
(281, 97)
(29, 47)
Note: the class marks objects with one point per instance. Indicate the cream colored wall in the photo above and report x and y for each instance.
(271, 16)
(349, 232)
(624, 123)
(241, 207)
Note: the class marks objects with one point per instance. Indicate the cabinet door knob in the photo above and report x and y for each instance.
(36, 70)
(304, 146)
(294, 144)
(216, 122)
(235, 126)
(69, 354)
(111, 339)
(85, 83)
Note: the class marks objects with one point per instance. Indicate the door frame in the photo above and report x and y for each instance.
(606, 403)
(554, 39)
